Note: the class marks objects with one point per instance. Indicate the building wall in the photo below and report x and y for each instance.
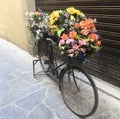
(12, 22)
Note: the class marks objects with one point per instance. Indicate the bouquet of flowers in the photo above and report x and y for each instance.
(38, 23)
(77, 34)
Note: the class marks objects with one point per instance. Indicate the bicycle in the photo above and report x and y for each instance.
(77, 88)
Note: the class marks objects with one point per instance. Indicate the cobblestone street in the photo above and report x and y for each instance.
(25, 97)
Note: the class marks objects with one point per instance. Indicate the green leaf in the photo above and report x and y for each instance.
(96, 48)
(63, 47)
(62, 52)
(59, 31)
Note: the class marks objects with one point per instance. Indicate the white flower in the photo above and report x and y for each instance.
(38, 31)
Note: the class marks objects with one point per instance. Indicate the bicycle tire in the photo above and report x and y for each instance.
(43, 55)
(46, 58)
(77, 92)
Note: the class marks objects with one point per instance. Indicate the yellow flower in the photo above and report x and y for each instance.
(51, 21)
(54, 16)
(72, 10)
(37, 13)
(77, 12)
(54, 26)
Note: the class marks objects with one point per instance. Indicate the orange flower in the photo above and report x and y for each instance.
(72, 34)
(82, 24)
(76, 25)
(92, 26)
(64, 36)
(85, 32)
(89, 21)
(94, 36)
(98, 43)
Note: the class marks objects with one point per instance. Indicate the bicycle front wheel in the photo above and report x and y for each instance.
(78, 91)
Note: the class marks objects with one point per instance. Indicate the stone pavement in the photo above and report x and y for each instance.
(25, 97)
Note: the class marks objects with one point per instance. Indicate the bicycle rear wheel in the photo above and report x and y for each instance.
(78, 91)
(43, 54)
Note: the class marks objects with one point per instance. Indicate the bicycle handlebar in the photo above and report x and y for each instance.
(50, 39)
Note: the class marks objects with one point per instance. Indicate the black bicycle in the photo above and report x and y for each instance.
(78, 89)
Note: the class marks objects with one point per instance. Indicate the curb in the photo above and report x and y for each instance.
(107, 88)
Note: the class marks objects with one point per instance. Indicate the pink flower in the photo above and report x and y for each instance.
(75, 47)
(71, 55)
(69, 41)
(61, 42)
(82, 42)
(70, 51)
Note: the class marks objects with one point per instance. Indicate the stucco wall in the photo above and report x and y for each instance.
(12, 22)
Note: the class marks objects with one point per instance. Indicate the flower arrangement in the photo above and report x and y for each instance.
(38, 23)
(77, 33)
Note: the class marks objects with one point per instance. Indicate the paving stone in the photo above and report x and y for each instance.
(28, 76)
(54, 101)
(15, 94)
(19, 84)
(4, 75)
(31, 101)
(107, 115)
(40, 112)
(11, 96)
(65, 113)
(4, 88)
(33, 88)
(12, 112)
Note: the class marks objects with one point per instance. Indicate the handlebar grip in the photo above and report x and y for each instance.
(50, 39)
